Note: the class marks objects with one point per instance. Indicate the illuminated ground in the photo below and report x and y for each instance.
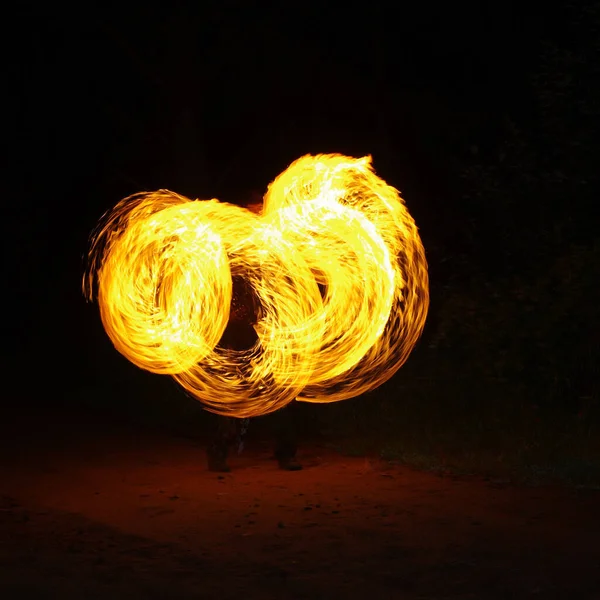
(90, 512)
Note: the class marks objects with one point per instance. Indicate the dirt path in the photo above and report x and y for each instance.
(123, 514)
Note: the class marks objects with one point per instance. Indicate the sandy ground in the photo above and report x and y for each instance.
(115, 512)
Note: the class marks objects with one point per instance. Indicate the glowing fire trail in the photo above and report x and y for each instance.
(161, 267)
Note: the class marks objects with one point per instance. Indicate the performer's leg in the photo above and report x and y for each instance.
(218, 449)
(286, 444)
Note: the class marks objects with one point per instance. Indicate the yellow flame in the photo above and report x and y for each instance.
(163, 266)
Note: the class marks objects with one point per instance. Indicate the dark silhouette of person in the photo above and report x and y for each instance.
(240, 335)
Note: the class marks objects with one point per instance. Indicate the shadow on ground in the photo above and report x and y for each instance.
(96, 510)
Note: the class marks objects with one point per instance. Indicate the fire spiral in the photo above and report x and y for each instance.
(334, 261)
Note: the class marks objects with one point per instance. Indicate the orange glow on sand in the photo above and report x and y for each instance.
(161, 266)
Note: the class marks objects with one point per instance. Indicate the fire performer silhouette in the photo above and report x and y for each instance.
(240, 335)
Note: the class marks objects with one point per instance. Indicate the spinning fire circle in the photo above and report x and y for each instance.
(335, 263)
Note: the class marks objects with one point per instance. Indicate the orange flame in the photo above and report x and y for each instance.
(163, 266)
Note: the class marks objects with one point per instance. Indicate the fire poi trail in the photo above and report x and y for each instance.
(335, 262)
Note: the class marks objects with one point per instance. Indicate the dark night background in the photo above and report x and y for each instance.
(484, 116)
(474, 472)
